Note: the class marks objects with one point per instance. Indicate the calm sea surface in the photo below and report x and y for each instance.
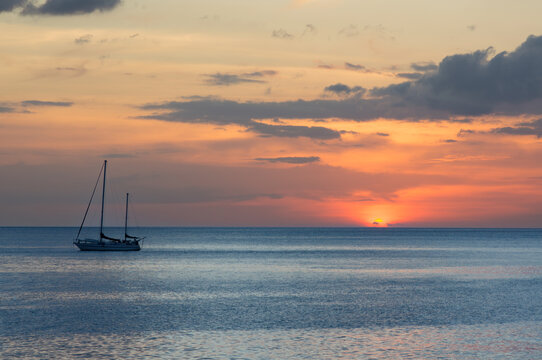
(274, 293)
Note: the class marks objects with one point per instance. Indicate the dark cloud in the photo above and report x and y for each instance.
(10, 5)
(281, 34)
(411, 76)
(46, 103)
(225, 112)
(424, 66)
(291, 159)
(342, 89)
(465, 132)
(69, 7)
(6, 109)
(382, 134)
(449, 141)
(473, 84)
(220, 79)
(355, 67)
(294, 131)
(466, 84)
(525, 128)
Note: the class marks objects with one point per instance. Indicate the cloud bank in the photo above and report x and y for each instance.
(473, 84)
(463, 84)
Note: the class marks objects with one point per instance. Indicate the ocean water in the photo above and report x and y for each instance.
(274, 293)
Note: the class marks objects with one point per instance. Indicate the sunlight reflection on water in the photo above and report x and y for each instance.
(519, 341)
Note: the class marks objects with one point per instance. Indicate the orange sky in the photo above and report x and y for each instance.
(284, 113)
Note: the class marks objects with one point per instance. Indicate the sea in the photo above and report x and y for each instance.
(273, 293)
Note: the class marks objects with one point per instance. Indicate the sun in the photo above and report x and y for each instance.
(379, 222)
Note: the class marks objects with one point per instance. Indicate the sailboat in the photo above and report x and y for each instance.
(106, 243)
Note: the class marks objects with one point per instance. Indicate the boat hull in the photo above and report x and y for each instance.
(109, 246)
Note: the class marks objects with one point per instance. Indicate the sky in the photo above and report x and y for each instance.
(385, 113)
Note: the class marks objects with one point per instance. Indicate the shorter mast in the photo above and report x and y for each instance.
(103, 199)
(126, 218)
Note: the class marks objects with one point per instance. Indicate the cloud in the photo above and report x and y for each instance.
(220, 79)
(10, 5)
(355, 67)
(70, 71)
(225, 112)
(411, 76)
(525, 128)
(309, 29)
(83, 39)
(473, 84)
(471, 27)
(69, 7)
(341, 89)
(349, 31)
(294, 131)
(465, 132)
(261, 73)
(6, 109)
(464, 84)
(46, 103)
(326, 66)
(424, 66)
(291, 159)
(281, 34)
(382, 134)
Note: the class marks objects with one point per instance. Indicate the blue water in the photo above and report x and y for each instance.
(274, 293)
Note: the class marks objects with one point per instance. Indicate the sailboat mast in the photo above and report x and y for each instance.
(126, 217)
(103, 198)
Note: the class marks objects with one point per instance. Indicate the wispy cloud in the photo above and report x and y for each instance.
(342, 89)
(220, 79)
(6, 109)
(424, 66)
(291, 159)
(354, 67)
(310, 29)
(85, 39)
(281, 34)
(349, 31)
(46, 103)
(524, 128)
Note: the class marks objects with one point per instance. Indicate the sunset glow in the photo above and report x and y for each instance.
(283, 113)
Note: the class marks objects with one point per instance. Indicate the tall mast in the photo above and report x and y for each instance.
(103, 197)
(126, 217)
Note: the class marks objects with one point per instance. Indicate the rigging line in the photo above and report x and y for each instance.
(91, 197)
